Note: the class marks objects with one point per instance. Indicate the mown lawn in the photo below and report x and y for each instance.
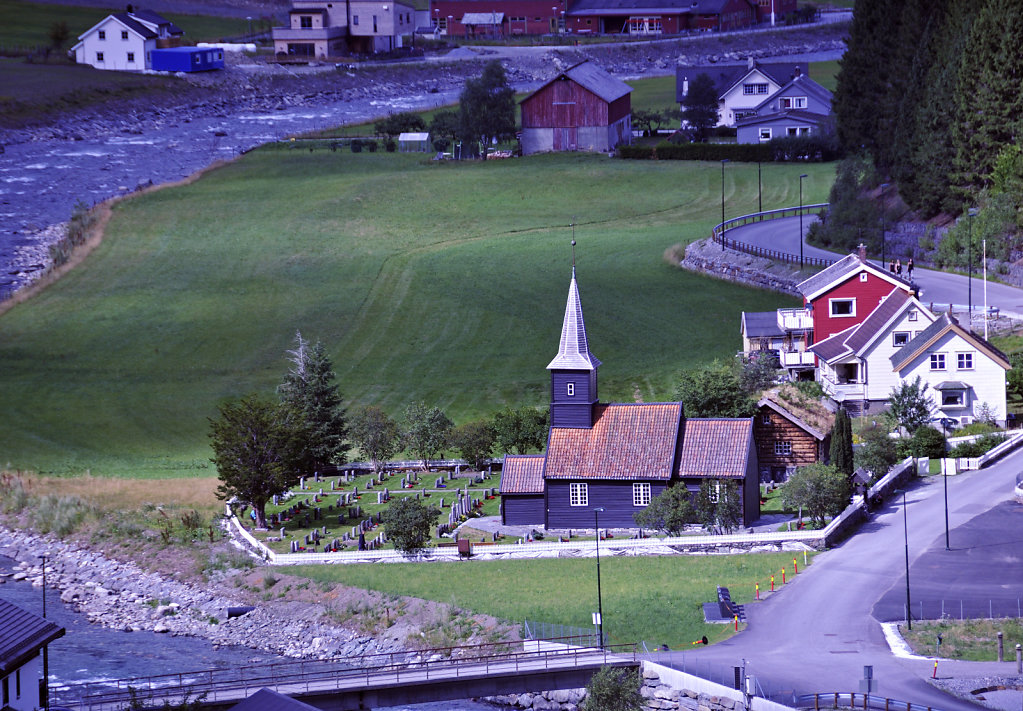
(653, 599)
(437, 282)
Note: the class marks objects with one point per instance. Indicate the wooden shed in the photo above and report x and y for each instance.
(790, 432)
(581, 109)
(522, 490)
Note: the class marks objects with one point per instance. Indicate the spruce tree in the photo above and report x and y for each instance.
(841, 443)
(988, 100)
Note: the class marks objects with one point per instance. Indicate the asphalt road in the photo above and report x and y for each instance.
(820, 631)
(935, 287)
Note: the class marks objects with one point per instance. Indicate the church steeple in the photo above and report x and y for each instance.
(574, 369)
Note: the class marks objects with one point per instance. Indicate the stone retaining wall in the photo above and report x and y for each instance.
(709, 259)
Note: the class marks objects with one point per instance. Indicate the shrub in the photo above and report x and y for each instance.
(371, 146)
(441, 144)
(928, 442)
(356, 145)
(58, 514)
(636, 152)
(390, 146)
(980, 446)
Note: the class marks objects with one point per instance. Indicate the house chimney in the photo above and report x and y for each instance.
(798, 72)
(130, 9)
(861, 252)
(749, 62)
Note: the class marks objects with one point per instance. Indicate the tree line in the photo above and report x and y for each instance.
(262, 446)
(928, 99)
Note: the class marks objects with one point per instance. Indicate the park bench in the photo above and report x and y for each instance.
(729, 610)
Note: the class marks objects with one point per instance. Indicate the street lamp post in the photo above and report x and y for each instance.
(969, 269)
(46, 655)
(760, 190)
(944, 472)
(600, 606)
(905, 525)
(884, 186)
(801, 220)
(723, 161)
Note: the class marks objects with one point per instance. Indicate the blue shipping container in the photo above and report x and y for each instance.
(187, 59)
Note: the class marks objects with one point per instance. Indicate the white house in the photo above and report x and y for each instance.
(125, 41)
(965, 373)
(741, 89)
(22, 636)
(322, 29)
(854, 365)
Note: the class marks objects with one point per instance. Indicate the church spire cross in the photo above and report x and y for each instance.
(573, 350)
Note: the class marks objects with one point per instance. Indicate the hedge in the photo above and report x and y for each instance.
(801, 148)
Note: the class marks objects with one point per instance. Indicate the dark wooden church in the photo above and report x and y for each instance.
(618, 456)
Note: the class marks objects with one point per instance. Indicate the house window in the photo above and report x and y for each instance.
(937, 361)
(102, 34)
(782, 449)
(791, 131)
(911, 316)
(99, 56)
(131, 57)
(641, 494)
(765, 134)
(953, 398)
(305, 22)
(124, 34)
(753, 89)
(570, 389)
(900, 338)
(765, 419)
(442, 24)
(374, 24)
(355, 20)
(715, 492)
(841, 308)
(863, 277)
(578, 495)
(793, 102)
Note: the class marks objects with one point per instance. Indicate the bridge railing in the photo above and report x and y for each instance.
(720, 234)
(315, 676)
(853, 700)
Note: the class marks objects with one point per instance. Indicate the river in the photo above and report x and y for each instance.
(90, 652)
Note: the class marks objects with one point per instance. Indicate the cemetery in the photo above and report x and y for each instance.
(345, 509)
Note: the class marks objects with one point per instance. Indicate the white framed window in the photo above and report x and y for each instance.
(911, 316)
(953, 398)
(900, 338)
(570, 389)
(99, 56)
(791, 131)
(578, 495)
(842, 308)
(641, 494)
(937, 361)
(715, 491)
(102, 34)
(863, 276)
(765, 134)
(305, 22)
(782, 448)
(753, 89)
(964, 361)
(355, 20)
(124, 34)
(131, 57)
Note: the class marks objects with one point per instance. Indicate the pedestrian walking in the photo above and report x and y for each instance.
(891, 266)
(909, 268)
(898, 267)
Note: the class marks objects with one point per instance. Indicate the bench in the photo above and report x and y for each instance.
(728, 608)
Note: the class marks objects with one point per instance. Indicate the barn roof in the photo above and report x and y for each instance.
(573, 349)
(715, 448)
(626, 7)
(627, 441)
(522, 474)
(22, 635)
(593, 79)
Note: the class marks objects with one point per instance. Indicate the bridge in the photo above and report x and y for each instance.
(368, 682)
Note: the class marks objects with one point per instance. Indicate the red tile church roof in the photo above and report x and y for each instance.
(715, 447)
(522, 474)
(627, 441)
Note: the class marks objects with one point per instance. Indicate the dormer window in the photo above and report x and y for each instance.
(570, 389)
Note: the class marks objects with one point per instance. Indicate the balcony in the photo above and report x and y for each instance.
(310, 34)
(795, 319)
(797, 359)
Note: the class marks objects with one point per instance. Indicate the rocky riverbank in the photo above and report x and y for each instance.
(298, 621)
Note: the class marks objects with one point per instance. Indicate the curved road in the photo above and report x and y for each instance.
(935, 287)
(817, 635)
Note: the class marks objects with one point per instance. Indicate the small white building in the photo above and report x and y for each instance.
(22, 636)
(125, 41)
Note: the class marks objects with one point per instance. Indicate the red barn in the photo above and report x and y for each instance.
(581, 109)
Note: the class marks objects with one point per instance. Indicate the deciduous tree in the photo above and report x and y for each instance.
(670, 511)
(819, 489)
(259, 451)
(878, 452)
(714, 391)
(718, 505)
(474, 441)
(700, 106)
(910, 404)
(375, 434)
(424, 431)
(613, 689)
(487, 107)
(409, 521)
(523, 430)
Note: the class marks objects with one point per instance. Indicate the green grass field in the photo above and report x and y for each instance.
(439, 282)
(652, 599)
(27, 24)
